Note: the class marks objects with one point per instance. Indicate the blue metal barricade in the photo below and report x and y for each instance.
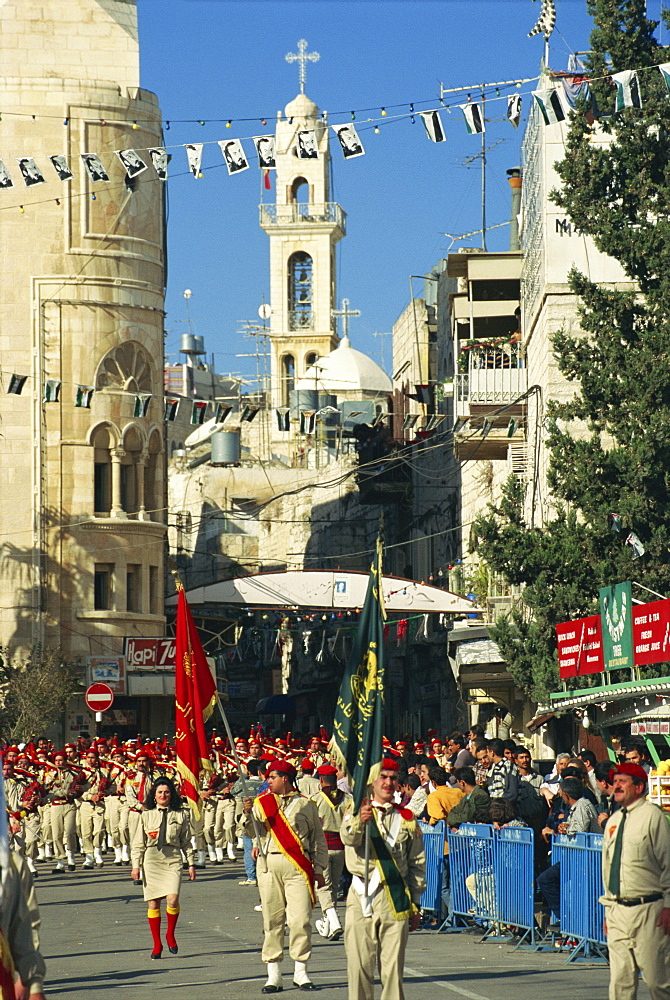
(433, 845)
(472, 870)
(515, 879)
(581, 915)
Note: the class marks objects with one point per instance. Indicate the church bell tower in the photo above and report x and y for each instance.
(304, 227)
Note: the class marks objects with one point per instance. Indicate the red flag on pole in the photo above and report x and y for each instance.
(266, 180)
(195, 698)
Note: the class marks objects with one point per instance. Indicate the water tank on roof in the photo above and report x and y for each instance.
(225, 448)
(188, 344)
(199, 344)
(303, 399)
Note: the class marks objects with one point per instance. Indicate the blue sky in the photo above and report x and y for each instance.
(223, 59)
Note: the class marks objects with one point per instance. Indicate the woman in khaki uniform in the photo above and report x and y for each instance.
(164, 831)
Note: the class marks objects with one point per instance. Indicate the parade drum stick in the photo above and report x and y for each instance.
(245, 788)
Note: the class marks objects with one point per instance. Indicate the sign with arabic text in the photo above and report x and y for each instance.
(616, 618)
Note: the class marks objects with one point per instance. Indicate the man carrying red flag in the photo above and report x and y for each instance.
(195, 698)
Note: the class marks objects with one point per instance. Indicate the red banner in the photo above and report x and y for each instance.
(651, 632)
(580, 647)
(195, 698)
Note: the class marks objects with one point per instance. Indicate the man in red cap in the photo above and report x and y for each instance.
(380, 915)
(331, 804)
(307, 784)
(290, 863)
(636, 876)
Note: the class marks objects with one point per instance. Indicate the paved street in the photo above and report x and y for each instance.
(103, 944)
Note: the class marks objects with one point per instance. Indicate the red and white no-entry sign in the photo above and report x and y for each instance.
(99, 697)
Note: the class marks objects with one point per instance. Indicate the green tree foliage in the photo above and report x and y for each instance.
(609, 446)
(36, 690)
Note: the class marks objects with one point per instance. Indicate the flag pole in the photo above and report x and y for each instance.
(245, 787)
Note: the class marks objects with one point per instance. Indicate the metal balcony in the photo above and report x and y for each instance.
(493, 377)
(303, 213)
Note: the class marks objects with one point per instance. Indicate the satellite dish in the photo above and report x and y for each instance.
(265, 311)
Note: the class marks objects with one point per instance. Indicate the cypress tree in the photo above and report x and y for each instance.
(610, 445)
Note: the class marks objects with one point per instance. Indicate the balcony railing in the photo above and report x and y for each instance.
(302, 213)
(494, 376)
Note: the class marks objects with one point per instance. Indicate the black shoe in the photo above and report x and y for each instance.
(157, 954)
(173, 950)
(72, 868)
(57, 871)
(304, 986)
(137, 881)
(272, 989)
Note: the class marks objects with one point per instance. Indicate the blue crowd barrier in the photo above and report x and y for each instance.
(515, 864)
(581, 915)
(433, 845)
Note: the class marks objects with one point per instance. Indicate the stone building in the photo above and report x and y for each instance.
(82, 514)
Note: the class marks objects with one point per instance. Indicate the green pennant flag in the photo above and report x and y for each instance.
(142, 400)
(356, 742)
(84, 396)
(511, 427)
(51, 390)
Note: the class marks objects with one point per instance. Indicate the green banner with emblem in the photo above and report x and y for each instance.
(616, 615)
(356, 743)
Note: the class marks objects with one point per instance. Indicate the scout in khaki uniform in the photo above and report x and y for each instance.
(63, 787)
(116, 772)
(292, 857)
(636, 876)
(378, 923)
(136, 789)
(92, 810)
(162, 834)
(331, 804)
(224, 832)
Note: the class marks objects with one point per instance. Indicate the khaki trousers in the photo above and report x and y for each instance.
(637, 945)
(327, 894)
(113, 818)
(209, 822)
(124, 812)
(224, 831)
(45, 823)
(31, 832)
(133, 823)
(92, 817)
(63, 829)
(285, 898)
(368, 941)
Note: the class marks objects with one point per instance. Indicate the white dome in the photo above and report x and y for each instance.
(301, 107)
(345, 371)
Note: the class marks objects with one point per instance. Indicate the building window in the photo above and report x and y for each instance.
(311, 359)
(300, 291)
(300, 191)
(134, 588)
(154, 596)
(287, 378)
(102, 586)
(102, 488)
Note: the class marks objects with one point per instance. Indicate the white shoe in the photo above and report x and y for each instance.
(110, 841)
(47, 851)
(322, 927)
(125, 856)
(212, 854)
(219, 855)
(31, 866)
(117, 856)
(202, 859)
(88, 861)
(248, 881)
(240, 844)
(332, 921)
(274, 976)
(231, 852)
(300, 977)
(258, 909)
(98, 858)
(70, 860)
(40, 854)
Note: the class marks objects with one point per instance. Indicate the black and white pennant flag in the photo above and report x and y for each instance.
(234, 156)
(5, 179)
(159, 158)
(16, 384)
(30, 172)
(248, 413)
(133, 164)
(199, 411)
(474, 120)
(265, 150)
(433, 125)
(223, 411)
(627, 90)
(194, 157)
(142, 400)
(171, 408)
(94, 167)
(60, 165)
(306, 145)
(349, 141)
(514, 109)
(550, 105)
(307, 421)
(283, 418)
(51, 390)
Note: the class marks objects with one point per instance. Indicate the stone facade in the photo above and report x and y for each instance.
(83, 510)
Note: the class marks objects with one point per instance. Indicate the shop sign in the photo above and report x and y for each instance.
(651, 632)
(616, 616)
(149, 654)
(109, 670)
(580, 647)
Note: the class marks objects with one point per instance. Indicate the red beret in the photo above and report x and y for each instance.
(326, 769)
(307, 764)
(634, 770)
(282, 767)
(389, 764)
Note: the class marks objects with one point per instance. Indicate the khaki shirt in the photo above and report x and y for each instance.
(177, 833)
(645, 857)
(407, 848)
(62, 783)
(20, 921)
(330, 814)
(301, 814)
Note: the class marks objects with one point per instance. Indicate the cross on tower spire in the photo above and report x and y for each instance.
(303, 57)
(345, 312)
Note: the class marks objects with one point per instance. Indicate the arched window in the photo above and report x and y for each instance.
(153, 469)
(300, 291)
(287, 378)
(132, 446)
(102, 476)
(311, 359)
(299, 191)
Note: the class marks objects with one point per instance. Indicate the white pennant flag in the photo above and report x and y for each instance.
(474, 120)
(194, 156)
(233, 154)
(30, 171)
(514, 109)
(306, 145)
(159, 158)
(550, 105)
(433, 125)
(133, 164)
(265, 150)
(94, 167)
(627, 90)
(60, 165)
(665, 73)
(349, 141)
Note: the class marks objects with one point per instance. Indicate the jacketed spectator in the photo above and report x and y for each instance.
(475, 804)
(502, 781)
(524, 766)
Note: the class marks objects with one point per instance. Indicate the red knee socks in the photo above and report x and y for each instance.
(154, 918)
(172, 918)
